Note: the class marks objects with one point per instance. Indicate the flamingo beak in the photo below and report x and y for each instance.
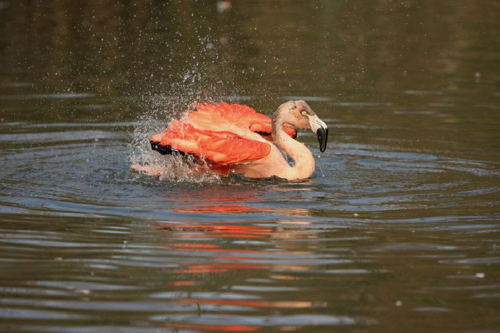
(322, 134)
(321, 130)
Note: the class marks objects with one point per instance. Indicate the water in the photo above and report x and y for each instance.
(397, 230)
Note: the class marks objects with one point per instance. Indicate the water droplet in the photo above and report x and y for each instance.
(83, 291)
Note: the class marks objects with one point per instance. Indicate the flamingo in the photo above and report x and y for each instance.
(235, 138)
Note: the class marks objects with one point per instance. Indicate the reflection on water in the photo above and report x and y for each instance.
(227, 248)
(398, 227)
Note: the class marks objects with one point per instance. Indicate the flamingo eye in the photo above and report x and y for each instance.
(304, 113)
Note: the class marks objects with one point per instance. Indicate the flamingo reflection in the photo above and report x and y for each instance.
(236, 244)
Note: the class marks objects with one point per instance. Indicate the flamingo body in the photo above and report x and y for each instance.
(236, 137)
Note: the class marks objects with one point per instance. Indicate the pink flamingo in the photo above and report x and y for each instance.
(235, 138)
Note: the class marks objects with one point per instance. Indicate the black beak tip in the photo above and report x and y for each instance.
(322, 134)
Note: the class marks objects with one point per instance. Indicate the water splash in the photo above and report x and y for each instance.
(159, 111)
(193, 86)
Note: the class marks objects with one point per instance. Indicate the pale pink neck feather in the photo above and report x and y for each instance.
(302, 156)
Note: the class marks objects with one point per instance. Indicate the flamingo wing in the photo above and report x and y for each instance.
(222, 115)
(221, 147)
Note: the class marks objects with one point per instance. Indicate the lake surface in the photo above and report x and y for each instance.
(398, 229)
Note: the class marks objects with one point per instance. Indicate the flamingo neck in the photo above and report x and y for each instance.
(301, 155)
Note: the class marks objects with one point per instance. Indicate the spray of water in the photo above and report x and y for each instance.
(159, 108)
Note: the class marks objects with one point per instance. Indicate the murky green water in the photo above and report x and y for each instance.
(398, 230)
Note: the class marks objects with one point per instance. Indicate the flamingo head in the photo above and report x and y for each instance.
(300, 115)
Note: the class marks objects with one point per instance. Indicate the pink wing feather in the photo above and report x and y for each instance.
(217, 132)
(215, 116)
(221, 147)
